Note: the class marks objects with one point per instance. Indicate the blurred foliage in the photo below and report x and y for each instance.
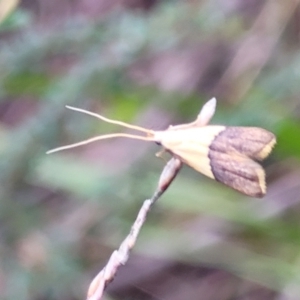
(151, 63)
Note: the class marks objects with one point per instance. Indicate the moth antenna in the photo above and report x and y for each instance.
(102, 137)
(110, 120)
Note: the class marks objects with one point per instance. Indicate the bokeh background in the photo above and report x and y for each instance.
(150, 63)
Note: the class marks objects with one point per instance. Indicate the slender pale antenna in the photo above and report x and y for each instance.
(102, 137)
(109, 120)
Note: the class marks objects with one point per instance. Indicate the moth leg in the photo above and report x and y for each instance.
(160, 154)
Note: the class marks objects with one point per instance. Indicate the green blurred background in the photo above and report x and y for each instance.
(150, 63)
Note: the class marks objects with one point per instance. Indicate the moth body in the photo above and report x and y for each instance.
(226, 154)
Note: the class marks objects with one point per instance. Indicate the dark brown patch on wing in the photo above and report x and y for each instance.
(253, 142)
(238, 172)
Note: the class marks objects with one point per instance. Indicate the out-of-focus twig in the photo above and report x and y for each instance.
(119, 257)
(254, 52)
(6, 8)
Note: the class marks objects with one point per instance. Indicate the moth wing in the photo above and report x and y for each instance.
(252, 142)
(239, 172)
(191, 146)
(223, 153)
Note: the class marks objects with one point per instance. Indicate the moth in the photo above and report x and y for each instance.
(227, 154)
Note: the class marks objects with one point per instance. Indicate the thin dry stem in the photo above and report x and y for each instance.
(119, 257)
